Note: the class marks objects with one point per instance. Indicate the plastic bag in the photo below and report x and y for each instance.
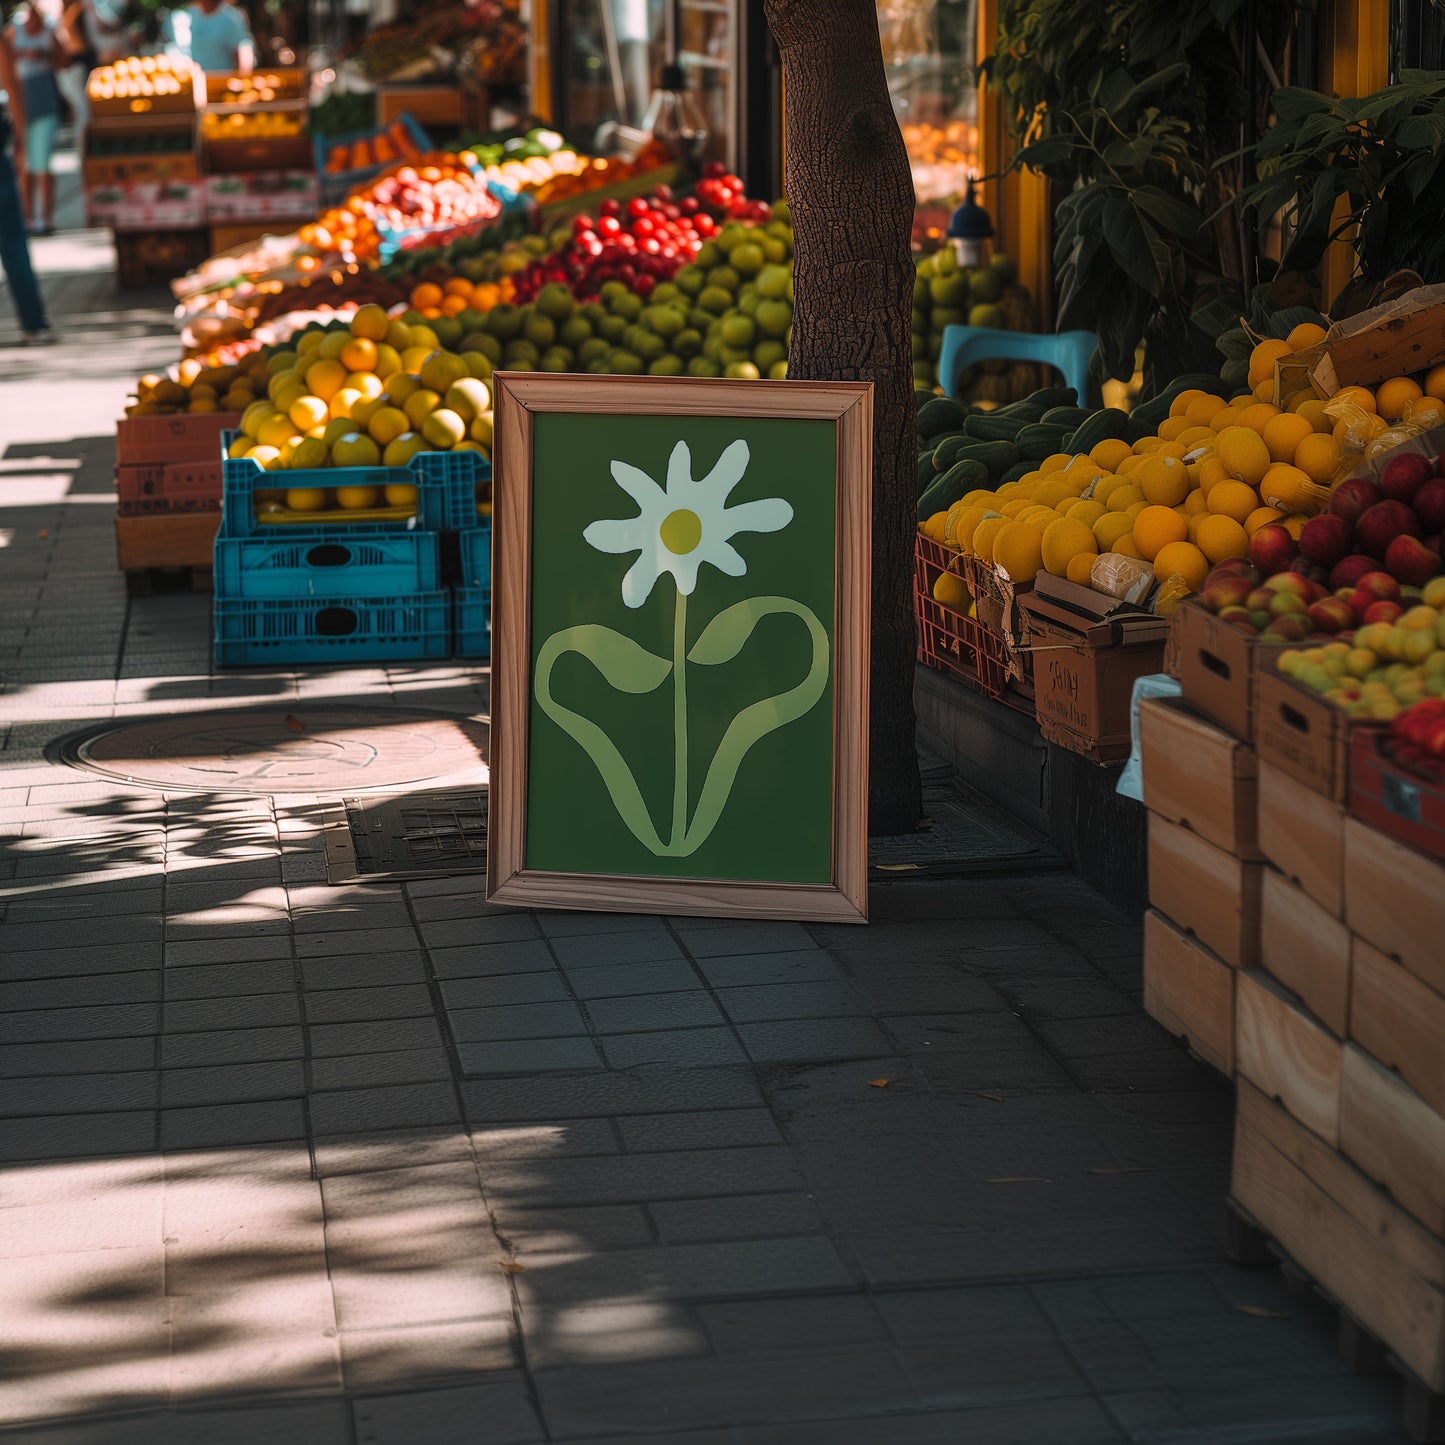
(1126, 578)
(1156, 684)
(1172, 591)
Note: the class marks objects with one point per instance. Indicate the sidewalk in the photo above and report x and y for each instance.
(297, 1164)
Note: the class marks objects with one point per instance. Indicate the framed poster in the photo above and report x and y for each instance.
(681, 588)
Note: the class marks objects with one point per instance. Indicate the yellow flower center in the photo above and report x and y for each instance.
(681, 531)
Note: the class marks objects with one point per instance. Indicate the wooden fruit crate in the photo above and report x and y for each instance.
(174, 548)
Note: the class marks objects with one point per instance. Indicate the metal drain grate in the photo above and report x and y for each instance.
(409, 835)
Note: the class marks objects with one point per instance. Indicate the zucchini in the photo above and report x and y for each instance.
(1109, 424)
(926, 473)
(999, 426)
(940, 415)
(1071, 417)
(948, 449)
(1038, 442)
(1051, 396)
(1017, 472)
(960, 479)
(997, 456)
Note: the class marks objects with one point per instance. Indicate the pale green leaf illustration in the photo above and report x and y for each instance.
(628, 667)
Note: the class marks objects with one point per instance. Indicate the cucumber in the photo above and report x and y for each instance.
(1071, 417)
(1016, 473)
(997, 456)
(926, 473)
(940, 415)
(960, 479)
(1050, 396)
(948, 449)
(1037, 442)
(1109, 424)
(999, 426)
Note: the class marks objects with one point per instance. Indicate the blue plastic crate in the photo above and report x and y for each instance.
(472, 622)
(446, 484)
(331, 629)
(337, 562)
(474, 547)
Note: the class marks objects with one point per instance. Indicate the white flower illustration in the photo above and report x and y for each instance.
(678, 529)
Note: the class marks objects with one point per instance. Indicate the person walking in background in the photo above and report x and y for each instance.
(36, 55)
(213, 33)
(80, 60)
(14, 250)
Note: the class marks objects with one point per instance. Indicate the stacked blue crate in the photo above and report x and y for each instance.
(472, 598)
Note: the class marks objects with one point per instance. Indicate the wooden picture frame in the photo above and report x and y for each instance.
(521, 401)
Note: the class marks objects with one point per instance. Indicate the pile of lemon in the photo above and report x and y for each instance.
(1194, 494)
(373, 395)
(199, 388)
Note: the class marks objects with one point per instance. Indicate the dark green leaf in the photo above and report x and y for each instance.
(1169, 211)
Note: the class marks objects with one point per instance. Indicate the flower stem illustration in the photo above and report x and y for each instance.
(678, 528)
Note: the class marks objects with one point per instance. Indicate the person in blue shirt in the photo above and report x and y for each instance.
(213, 33)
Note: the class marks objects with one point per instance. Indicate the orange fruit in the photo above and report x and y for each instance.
(1080, 569)
(426, 295)
(1064, 540)
(1313, 411)
(1211, 471)
(1263, 358)
(1194, 504)
(1204, 408)
(1163, 480)
(1018, 550)
(1110, 527)
(1356, 433)
(1317, 456)
(370, 321)
(1256, 415)
(359, 354)
(1110, 452)
(1435, 382)
(1184, 401)
(1170, 429)
(457, 286)
(1183, 560)
(1261, 517)
(325, 378)
(1360, 396)
(1289, 489)
(1125, 547)
(1393, 396)
(1244, 454)
(1155, 528)
(1283, 433)
(1307, 333)
(1122, 498)
(1233, 499)
(1220, 537)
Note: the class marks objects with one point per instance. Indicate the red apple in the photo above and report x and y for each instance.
(1381, 524)
(1382, 611)
(1435, 740)
(1347, 572)
(1272, 549)
(1402, 476)
(1293, 627)
(1259, 599)
(1436, 544)
(1411, 562)
(1326, 539)
(1228, 591)
(1331, 614)
(1232, 567)
(1287, 604)
(1353, 497)
(1379, 585)
(1291, 580)
(1429, 505)
(1239, 617)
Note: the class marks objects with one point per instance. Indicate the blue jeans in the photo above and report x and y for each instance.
(15, 252)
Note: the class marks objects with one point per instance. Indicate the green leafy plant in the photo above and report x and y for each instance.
(1381, 153)
(1135, 110)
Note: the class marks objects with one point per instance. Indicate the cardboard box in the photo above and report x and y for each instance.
(1395, 339)
(1393, 1134)
(174, 540)
(1392, 799)
(1302, 733)
(1344, 1231)
(1287, 1053)
(1216, 668)
(1088, 649)
(101, 171)
(1302, 833)
(262, 196)
(1205, 891)
(1189, 991)
(1395, 900)
(1307, 949)
(1400, 1020)
(190, 437)
(1199, 776)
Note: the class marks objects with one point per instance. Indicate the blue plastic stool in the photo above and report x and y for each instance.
(1069, 351)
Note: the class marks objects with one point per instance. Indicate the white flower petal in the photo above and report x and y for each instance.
(728, 470)
(724, 556)
(640, 580)
(636, 483)
(616, 534)
(679, 472)
(768, 514)
(684, 570)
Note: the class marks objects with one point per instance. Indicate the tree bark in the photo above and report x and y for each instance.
(851, 195)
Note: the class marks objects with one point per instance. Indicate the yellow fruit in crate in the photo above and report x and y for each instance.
(1110, 527)
(265, 457)
(1204, 408)
(398, 335)
(1105, 488)
(479, 364)
(444, 429)
(1125, 547)
(985, 533)
(1312, 409)
(1163, 480)
(1360, 396)
(1427, 412)
(280, 361)
(1294, 524)
(1156, 527)
(1195, 437)
(424, 336)
(1018, 551)
(1014, 505)
(1318, 456)
(1055, 462)
(371, 322)
(1283, 434)
(387, 423)
(359, 354)
(343, 401)
(1232, 499)
(202, 404)
(307, 412)
(1170, 430)
(275, 429)
(949, 589)
(1289, 489)
(481, 431)
(332, 345)
(1307, 333)
(399, 494)
(1184, 401)
(306, 499)
(1062, 541)
(357, 499)
(388, 360)
(420, 405)
(1193, 505)
(1263, 358)
(933, 527)
(440, 369)
(1086, 512)
(239, 446)
(310, 452)
(1393, 396)
(1080, 569)
(412, 358)
(325, 378)
(1132, 511)
(308, 343)
(1244, 455)
(1261, 517)
(362, 411)
(400, 386)
(1110, 452)
(1258, 416)
(1220, 537)
(1122, 498)
(468, 397)
(1183, 560)
(356, 449)
(367, 383)
(400, 450)
(1264, 390)
(1359, 431)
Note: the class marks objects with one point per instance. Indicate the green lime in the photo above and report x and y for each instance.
(726, 278)
(703, 366)
(690, 280)
(774, 317)
(540, 330)
(625, 363)
(555, 300)
(772, 281)
(688, 342)
(715, 299)
(747, 259)
(741, 371)
(738, 330)
(575, 330)
(665, 366)
(778, 371)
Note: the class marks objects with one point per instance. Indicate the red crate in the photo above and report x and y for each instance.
(1392, 798)
(189, 437)
(949, 640)
(168, 487)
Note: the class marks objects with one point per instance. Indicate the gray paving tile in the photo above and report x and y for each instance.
(73, 992)
(360, 1005)
(83, 1056)
(78, 1093)
(501, 1407)
(494, 928)
(708, 1129)
(798, 1325)
(627, 979)
(743, 937)
(70, 1024)
(61, 962)
(507, 988)
(739, 1216)
(529, 955)
(233, 1083)
(791, 1001)
(590, 925)
(397, 1066)
(221, 980)
(188, 952)
(747, 970)
(251, 1011)
(76, 1136)
(839, 1038)
(566, 1230)
(640, 1013)
(350, 917)
(365, 970)
(375, 1036)
(345, 943)
(520, 1021)
(394, 1107)
(661, 1092)
(598, 950)
(230, 1046)
(685, 1048)
(22, 937)
(218, 1125)
(928, 1316)
(528, 1056)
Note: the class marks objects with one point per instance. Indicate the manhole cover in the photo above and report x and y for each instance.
(415, 835)
(323, 749)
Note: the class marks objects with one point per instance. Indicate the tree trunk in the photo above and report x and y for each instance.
(851, 195)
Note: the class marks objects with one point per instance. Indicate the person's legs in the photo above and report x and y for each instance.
(39, 157)
(71, 81)
(15, 253)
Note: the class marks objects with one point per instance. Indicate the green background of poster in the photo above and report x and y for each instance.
(777, 825)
